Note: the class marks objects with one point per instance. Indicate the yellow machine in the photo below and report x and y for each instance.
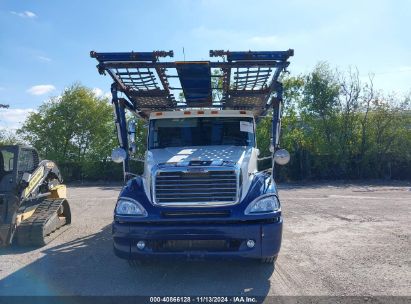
(33, 201)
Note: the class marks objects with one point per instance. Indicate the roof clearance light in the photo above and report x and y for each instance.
(214, 112)
(159, 113)
(200, 112)
(243, 112)
(187, 112)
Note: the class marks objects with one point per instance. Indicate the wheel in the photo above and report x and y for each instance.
(269, 260)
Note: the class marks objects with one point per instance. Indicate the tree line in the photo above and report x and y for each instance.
(334, 125)
(339, 127)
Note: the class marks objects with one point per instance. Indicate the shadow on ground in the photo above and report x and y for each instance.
(87, 266)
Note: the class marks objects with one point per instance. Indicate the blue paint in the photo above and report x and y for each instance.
(276, 55)
(265, 229)
(195, 79)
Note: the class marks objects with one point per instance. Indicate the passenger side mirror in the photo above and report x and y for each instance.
(281, 157)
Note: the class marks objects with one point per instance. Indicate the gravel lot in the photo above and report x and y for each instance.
(339, 239)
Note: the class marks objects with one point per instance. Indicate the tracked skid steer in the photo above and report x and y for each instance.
(33, 205)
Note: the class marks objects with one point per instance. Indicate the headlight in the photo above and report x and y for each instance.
(263, 204)
(128, 206)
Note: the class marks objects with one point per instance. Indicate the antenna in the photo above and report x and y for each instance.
(184, 54)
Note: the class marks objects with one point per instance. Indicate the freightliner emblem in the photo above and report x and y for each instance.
(197, 170)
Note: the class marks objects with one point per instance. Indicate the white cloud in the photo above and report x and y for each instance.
(11, 119)
(41, 89)
(43, 58)
(25, 14)
(100, 93)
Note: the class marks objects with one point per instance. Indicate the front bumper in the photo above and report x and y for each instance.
(198, 240)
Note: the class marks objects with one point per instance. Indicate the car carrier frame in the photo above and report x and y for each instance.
(250, 81)
(243, 85)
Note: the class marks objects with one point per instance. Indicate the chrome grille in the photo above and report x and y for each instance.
(217, 187)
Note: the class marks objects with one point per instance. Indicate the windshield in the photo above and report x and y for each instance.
(201, 131)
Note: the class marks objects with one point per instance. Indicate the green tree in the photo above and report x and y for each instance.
(295, 132)
(7, 137)
(389, 138)
(320, 97)
(336, 126)
(77, 126)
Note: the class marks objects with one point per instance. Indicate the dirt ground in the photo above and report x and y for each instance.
(339, 239)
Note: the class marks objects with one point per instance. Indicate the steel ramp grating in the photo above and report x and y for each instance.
(242, 80)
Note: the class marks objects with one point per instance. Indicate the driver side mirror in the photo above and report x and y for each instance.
(118, 155)
(131, 131)
(132, 136)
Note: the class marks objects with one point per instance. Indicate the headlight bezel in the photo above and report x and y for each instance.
(257, 200)
(128, 200)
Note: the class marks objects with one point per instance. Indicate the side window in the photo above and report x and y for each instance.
(8, 161)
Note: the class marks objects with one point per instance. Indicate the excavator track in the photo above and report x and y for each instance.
(49, 220)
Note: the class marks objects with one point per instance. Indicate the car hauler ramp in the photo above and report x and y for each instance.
(243, 80)
(234, 81)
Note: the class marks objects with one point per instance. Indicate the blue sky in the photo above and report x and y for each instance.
(45, 45)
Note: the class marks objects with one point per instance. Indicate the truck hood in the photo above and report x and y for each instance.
(235, 154)
(244, 157)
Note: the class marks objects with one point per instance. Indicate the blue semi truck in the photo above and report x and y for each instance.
(201, 194)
